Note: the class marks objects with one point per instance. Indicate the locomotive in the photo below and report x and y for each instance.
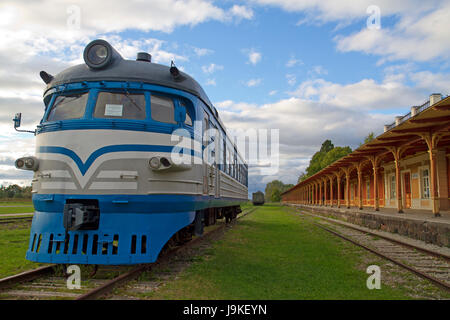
(108, 187)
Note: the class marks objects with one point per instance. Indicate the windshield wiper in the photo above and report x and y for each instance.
(127, 94)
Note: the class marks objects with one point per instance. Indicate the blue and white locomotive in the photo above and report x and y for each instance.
(106, 188)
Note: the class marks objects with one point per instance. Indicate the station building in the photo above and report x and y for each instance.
(407, 167)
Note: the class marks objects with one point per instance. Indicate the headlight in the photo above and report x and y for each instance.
(98, 54)
(27, 163)
(154, 163)
(19, 163)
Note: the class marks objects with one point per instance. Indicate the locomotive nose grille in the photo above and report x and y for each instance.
(92, 244)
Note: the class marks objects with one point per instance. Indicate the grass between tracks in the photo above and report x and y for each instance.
(13, 247)
(274, 254)
(7, 207)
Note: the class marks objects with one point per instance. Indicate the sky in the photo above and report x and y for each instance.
(313, 69)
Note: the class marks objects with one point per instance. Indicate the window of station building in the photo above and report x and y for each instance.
(368, 189)
(393, 191)
(68, 106)
(425, 184)
(189, 116)
(112, 105)
(162, 109)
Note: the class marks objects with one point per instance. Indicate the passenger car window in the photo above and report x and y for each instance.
(68, 106)
(162, 109)
(120, 106)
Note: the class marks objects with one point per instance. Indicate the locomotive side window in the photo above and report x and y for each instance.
(163, 109)
(68, 106)
(120, 106)
(188, 120)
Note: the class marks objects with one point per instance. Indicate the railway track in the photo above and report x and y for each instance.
(15, 220)
(430, 265)
(49, 282)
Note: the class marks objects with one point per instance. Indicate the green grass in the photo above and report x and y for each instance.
(16, 203)
(10, 210)
(273, 254)
(13, 247)
(10, 207)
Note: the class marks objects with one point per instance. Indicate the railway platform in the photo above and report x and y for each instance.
(413, 223)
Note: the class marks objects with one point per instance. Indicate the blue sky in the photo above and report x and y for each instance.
(312, 69)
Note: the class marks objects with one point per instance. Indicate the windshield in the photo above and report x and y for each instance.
(120, 106)
(68, 106)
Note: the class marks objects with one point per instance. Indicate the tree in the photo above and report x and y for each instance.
(327, 154)
(274, 190)
(302, 177)
(367, 139)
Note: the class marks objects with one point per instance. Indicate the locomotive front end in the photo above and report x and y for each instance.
(100, 196)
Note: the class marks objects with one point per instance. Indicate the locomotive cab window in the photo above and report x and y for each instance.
(120, 106)
(189, 117)
(68, 106)
(162, 109)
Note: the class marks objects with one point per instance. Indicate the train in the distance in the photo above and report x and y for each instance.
(108, 185)
(258, 198)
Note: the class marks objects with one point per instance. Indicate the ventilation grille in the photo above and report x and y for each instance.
(88, 244)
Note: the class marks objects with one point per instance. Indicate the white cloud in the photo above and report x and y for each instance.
(273, 92)
(291, 79)
(292, 62)
(211, 82)
(211, 68)
(254, 57)
(318, 70)
(253, 82)
(242, 12)
(420, 31)
(202, 51)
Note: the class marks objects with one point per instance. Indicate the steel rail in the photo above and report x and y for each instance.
(409, 245)
(26, 276)
(436, 281)
(133, 274)
(12, 220)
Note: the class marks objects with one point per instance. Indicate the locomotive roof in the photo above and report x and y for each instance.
(148, 72)
(131, 70)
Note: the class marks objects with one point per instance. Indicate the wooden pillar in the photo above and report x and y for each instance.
(314, 193)
(398, 186)
(331, 190)
(321, 193)
(347, 188)
(376, 200)
(338, 179)
(310, 194)
(318, 193)
(360, 201)
(433, 183)
(325, 193)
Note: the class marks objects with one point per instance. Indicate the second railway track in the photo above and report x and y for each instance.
(49, 282)
(430, 265)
